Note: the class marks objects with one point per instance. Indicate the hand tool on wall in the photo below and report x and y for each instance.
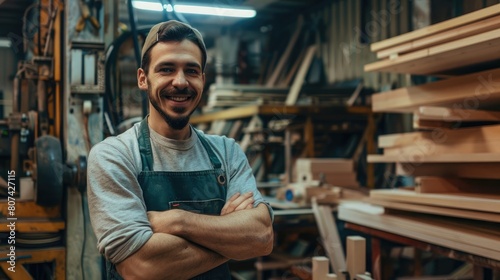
(85, 11)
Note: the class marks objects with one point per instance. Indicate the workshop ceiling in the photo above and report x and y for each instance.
(269, 12)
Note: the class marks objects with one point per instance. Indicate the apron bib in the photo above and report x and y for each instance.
(202, 192)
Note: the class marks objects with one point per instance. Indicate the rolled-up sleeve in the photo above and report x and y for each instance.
(117, 210)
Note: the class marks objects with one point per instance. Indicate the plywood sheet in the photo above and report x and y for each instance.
(442, 58)
(482, 134)
(437, 28)
(477, 90)
(475, 170)
(478, 202)
(462, 237)
(442, 37)
(419, 157)
(437, 210)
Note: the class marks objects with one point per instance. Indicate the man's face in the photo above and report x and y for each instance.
(175, 81)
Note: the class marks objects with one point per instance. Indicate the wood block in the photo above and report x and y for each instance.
(430, 184)
(331, 178)
(477, 90)
(437, 28)
(487, 170)
(356, 255)
(325, 165)
(478, 202)
(320, 268)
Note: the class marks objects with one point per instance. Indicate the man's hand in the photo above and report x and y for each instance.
(238, 202)
(165, 221)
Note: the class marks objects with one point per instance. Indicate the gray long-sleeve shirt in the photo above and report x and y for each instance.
(117, 209)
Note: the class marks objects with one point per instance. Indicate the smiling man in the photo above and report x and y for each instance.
(167, 201)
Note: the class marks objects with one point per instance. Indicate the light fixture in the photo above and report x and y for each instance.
(5, 43)
(196, 9)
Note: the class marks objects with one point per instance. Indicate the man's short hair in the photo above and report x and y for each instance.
(172, 30)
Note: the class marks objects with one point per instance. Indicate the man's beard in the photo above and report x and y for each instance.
(175, 123)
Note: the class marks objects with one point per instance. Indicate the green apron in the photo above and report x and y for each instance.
(201, 192)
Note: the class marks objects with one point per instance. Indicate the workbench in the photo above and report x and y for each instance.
(383, 241)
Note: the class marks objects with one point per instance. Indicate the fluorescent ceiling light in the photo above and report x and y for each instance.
(195, 9)
(5, 43)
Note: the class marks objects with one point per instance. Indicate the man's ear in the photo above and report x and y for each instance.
(142, 81)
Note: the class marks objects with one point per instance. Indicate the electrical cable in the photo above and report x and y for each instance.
(113, 95)
(137, 51)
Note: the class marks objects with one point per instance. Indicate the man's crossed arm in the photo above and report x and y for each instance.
(186, 244)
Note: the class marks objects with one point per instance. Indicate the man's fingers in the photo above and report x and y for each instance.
(231, 199)
(231, 206)
(245, 204)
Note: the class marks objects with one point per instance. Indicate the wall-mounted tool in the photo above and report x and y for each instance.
(86, 16)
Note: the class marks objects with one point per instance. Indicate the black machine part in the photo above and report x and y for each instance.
(49, 171)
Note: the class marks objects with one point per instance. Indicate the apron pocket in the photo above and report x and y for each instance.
(208, 206)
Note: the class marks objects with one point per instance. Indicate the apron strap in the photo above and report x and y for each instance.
(147, 153)
(213, 158)
(145, 146)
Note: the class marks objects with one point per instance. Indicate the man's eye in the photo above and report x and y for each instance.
(192, 71)
(167, 70)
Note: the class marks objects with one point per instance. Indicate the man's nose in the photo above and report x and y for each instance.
(180, 80)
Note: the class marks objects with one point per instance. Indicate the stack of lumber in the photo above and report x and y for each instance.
(477, 238)
(448, 47)
(333, 171)
(454, 153)
(224, 96)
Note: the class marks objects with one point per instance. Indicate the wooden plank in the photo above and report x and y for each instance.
(440, 58)
(286, 54)
(465, 148)
(472, 91)
(320, 268)
(418, 157)
(293, 94)
(456, 115)
(462, 170)
(326, 165)
(437, 28)
(30, 209)
(436, 210)
(35, 225)
(331, 178)
(356, 255)
(481, 134)
(435, 184)
(330, 236)
(419, 229)
(478, 202)
(442, 37)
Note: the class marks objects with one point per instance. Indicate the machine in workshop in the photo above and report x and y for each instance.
(56, 117)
